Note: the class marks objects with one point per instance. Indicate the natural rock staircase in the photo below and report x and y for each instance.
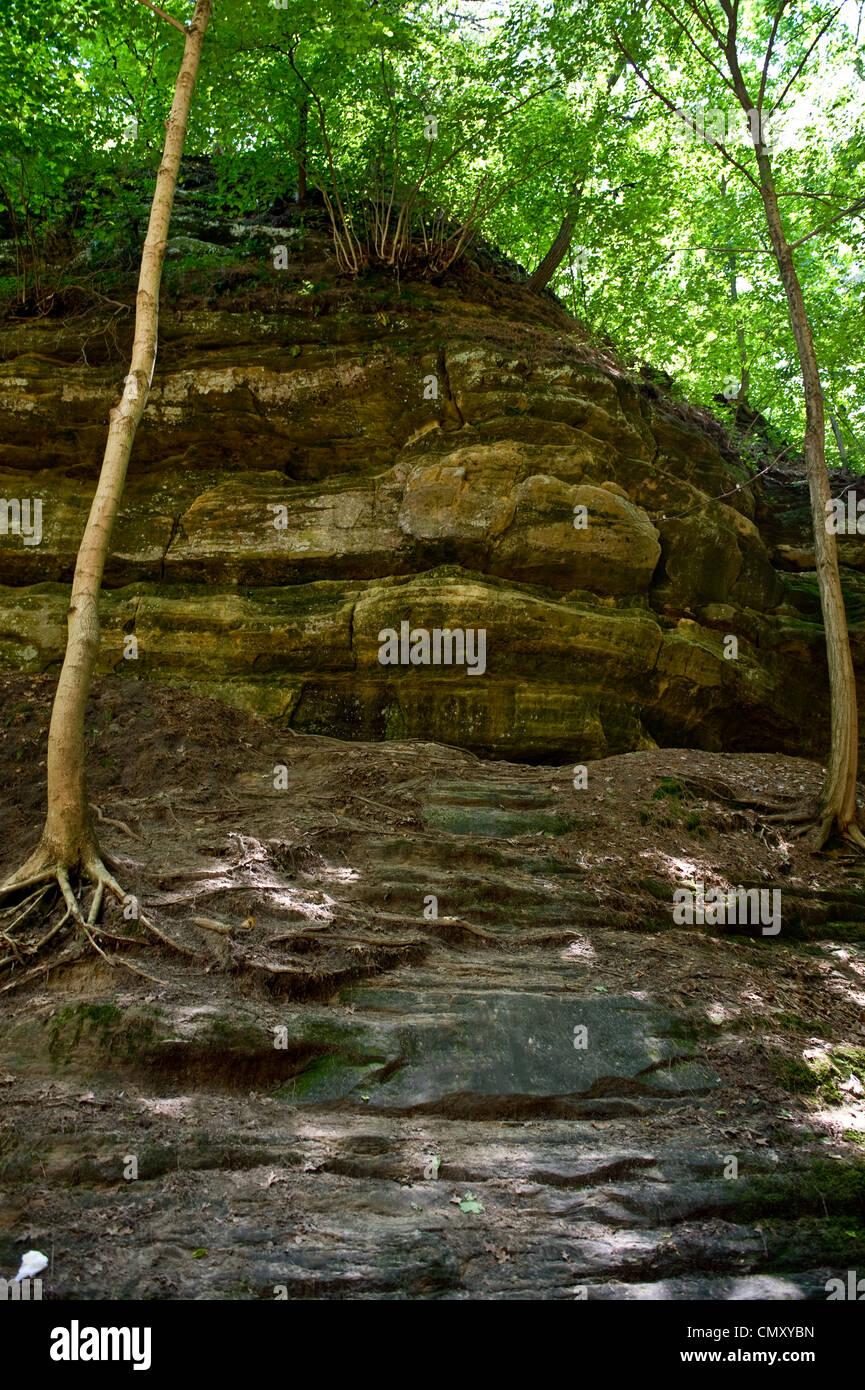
(308, 1168)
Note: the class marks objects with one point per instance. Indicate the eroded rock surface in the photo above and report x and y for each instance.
(365, 1075)
(341, 458)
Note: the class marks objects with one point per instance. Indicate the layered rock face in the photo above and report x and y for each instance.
(320, 464)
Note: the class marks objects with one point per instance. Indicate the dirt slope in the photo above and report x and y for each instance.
(287, 1084)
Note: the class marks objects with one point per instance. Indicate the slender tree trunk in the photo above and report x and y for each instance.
(844, 419)
(837, 801)
(838, 795)
(543, 274)
(744, 374)
(839, 438)
(302, 128)
(68, 837)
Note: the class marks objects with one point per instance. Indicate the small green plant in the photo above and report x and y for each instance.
(669, 787)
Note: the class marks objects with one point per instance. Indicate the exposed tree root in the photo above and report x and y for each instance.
(65, 958)
(211, 924)
(854, 836)
(808, 817)
(801, 817)
(821, 827)
(118, 824)
(42, 872)
(717, 790)
(27, 906)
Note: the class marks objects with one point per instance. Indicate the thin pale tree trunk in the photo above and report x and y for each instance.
(744, 374)
(68, 839)
(837, 810)
(839, 438)
(844, 420)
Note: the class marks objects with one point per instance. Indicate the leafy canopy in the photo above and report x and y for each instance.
(536, 116)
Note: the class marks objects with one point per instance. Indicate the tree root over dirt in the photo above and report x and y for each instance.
(807, 817)
(808, 822)
(42, 872)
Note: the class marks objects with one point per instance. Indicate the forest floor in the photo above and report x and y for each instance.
(336, 1087)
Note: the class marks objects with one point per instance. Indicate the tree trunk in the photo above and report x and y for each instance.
(302, 128)
(838, 794)
(68, 837)
(845, 421)
(742, 403)
(839, 438)
(544, 273)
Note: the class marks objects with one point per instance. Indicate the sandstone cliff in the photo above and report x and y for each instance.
(322, 459)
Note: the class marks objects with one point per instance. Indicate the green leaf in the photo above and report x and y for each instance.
(470, 1203)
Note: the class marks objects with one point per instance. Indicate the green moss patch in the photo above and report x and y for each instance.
(818, 1077)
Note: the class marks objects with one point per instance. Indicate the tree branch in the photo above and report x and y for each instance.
(767, 60)
(803, 193)
(854, 207)
(693, 42)
(706, 20)
(745, 250)
(162, 14)
(799, 66)
(677, 112)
